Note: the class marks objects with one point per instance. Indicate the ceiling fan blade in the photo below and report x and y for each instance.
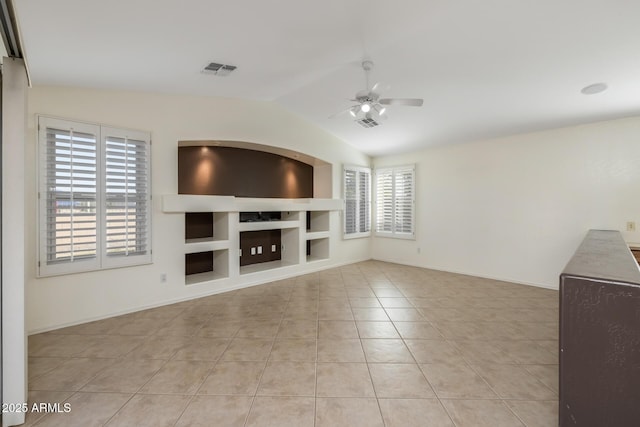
(409, 102)
(379, 87)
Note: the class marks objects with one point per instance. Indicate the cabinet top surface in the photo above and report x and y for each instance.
(604, 255)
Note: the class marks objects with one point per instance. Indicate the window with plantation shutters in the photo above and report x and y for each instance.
(395, 202)
(126, 194)
(94, 194)
(357, 199)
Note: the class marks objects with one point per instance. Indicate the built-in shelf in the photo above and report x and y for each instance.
(206, 266)
(206, 245)
(318, 250)
(181, 203)
(265, 266)
(267, 225)
(318, 221)
(315, 235)
(212, 253)
(194, 279)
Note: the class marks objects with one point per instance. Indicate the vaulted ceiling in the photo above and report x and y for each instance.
(484, 68)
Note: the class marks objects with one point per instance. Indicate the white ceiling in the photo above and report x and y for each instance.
(484, 68)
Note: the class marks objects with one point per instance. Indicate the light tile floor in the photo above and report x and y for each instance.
(369, 344)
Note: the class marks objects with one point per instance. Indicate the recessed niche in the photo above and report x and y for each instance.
(206, 226)
(260, 246)
(240, 172)
(206, 266)
(318, 221)
(317, 249)
(198, 262)
(198, 226)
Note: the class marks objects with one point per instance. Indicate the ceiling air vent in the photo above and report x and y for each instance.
(367, 122)
(219, 69)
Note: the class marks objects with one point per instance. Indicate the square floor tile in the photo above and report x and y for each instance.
(481, 413)
(294, 350)
(330, 350)
(399, 381)
(514, 382)
(344, 380)
(337, 329)
(125, 376)
(150, 410)
(414, 413)
(377, 330)
(386, 351)
(395, 303)
(456, 381)
(535, 413)
(240, 378)
(288, 379)
(417, 330)
(351, 412)
(434, 351)
(546, 374)
(303, 329)
(404, 315)
(364, 302)
(206, 411)
(370, 314)
(87, 410)
(281, 412)
(248, 349)
(178, 376)
(204, 349)
(71, 375)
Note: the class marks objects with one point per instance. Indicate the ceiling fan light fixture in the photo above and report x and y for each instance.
(365, 107)
(353, 112)
(380, 109)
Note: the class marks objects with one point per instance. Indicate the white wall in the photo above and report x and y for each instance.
(14, 342)
(58, 301)
(516, 208)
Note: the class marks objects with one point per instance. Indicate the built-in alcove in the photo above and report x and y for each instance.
(198, 226)
(243, 169)
(198, 262)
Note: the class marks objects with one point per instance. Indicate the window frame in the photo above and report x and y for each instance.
(101, 261)
(358, 170)
(394, 170)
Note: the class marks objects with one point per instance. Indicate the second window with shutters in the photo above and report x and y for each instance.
(395, 202)
(94, 197)
(357, 199)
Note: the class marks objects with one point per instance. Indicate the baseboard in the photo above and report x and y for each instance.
(470, 273)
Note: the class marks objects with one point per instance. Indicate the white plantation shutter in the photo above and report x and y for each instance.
(403, 201)
(350, 201)
(395, 202)
(357, 199)
(68, 196)
(384, 201)
(126, 195)
(364, 202)
(93, 197)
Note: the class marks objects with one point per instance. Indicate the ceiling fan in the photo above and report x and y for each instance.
(369, 106)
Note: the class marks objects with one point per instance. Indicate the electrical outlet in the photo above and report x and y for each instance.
(253, 251)
(273, 248)
(259, 250)
(631, 226)
(418, 250)
(163, 277)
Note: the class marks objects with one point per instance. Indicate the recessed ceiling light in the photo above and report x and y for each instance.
(594, 88)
